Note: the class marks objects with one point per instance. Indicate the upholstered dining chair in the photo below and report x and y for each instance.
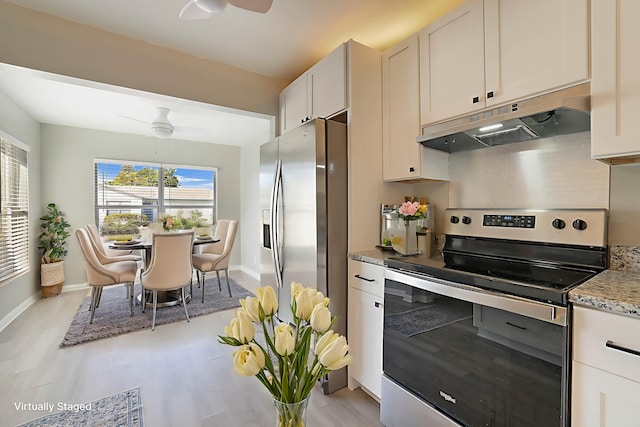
(100, 275)
(94, 234)
(170, 268)
(215, 257)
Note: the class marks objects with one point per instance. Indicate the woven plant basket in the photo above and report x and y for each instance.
(52, 274)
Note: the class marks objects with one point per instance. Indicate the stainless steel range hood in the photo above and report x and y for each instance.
(557, 113)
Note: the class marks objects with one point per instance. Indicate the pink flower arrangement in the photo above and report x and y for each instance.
(412, 210)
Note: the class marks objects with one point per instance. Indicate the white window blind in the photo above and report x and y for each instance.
(14, 210)
(153, 190)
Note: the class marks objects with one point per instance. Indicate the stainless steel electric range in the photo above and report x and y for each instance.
(482, 338)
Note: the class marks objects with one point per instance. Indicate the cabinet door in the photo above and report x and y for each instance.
(401, 111)
(452, 64)
(328, 84)
(601, 399)
(615, 81)
(534, 46)
(294, 104)
(607, 341)
(365, 339)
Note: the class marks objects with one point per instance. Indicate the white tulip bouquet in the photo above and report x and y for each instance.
(285, 364)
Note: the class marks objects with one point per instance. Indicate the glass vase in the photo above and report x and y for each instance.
(405, 239)
(291, 414)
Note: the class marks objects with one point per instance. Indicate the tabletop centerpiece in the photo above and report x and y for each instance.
(292, 358)
(404, 239)
(169, 222)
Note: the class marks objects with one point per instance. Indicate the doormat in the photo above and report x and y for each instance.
(121, 409)
(112, 314)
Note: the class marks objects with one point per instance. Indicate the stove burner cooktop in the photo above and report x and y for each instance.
(542, 283)
(536, 254)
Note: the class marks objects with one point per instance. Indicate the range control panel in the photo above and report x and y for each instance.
(587, 227)
(518, 221)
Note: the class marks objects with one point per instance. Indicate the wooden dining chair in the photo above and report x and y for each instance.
(100, 275)
(170, 268)
(215, 257)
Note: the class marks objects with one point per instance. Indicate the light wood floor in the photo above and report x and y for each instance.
(185, 374)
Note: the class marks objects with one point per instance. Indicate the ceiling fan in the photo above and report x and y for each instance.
(203, 9)
(161, 127)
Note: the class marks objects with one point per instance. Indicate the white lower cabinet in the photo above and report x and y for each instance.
(605, 389)
(365, 321)
(602, 399)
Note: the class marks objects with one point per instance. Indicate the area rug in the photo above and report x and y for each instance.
(112, 315)
(427, 318)
(121, 409)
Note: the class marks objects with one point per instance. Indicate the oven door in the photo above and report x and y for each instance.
(480, 357)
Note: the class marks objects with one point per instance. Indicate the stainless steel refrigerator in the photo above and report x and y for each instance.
(303, 198)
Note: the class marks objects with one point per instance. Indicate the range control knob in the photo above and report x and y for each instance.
(454, 219)
(466, 220)
(579, 224)
(558, 223)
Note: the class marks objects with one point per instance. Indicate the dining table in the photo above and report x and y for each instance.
(166, 298)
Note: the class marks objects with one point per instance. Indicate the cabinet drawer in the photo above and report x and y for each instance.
(607, 341)
(536, 338)
(367, 277)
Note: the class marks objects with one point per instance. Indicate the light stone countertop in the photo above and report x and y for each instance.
(374, 256)
(614, 291)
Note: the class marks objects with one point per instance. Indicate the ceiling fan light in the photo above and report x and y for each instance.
(161, 130)
(211, 6)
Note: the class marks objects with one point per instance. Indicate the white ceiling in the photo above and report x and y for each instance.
(281, 44)
(92, 105)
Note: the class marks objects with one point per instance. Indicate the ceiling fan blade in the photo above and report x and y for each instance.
(191, 131)
(135, 120)
(259, 6)
(192, 12)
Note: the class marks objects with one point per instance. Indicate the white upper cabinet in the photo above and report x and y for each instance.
(452, 64)
(328, 84)
(615, 80)
(404, 158)
(294, 104)
(534, 46)
(491, 52)
(319, 92)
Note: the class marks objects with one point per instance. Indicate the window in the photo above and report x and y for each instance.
(148, 192)
(14, 210)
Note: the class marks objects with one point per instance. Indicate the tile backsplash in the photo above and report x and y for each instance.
(550, 173)
(626, 258)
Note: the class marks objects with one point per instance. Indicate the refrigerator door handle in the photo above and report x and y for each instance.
(275, 223)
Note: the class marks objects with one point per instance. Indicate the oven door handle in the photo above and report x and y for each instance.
(538, 310)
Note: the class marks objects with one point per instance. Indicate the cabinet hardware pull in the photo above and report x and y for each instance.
(412, 169)
(610, 344)
(377, 304)
(490, 94)
(476, 99)
(516, 326)
(357, 276)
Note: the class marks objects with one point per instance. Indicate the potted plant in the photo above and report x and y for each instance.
(52, 242)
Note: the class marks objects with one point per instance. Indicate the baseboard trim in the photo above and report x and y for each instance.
(248, 271)
(13, 315)
(72, 288)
